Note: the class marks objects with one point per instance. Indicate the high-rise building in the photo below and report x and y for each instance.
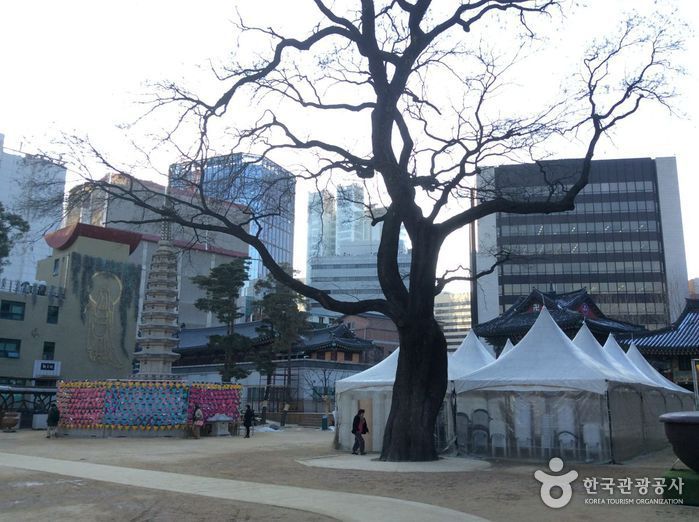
(322, 223)
(262, 189)
(623, 242)
(25, 178)
(453, 313)
(350, 273)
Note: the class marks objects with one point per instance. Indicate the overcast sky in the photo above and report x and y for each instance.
(81, 66)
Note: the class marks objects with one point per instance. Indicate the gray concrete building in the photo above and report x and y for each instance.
(195, 255)
(25, 180)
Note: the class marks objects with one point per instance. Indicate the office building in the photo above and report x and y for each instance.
(264, 192)
(25, 181)
(623, 242)
(453, 313)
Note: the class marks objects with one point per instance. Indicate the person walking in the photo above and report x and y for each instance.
(359, 429)
(248, 419)
(197, 421)
(52, 420)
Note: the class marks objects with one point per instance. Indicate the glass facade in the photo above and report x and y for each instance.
(260, 188)
(611, 244)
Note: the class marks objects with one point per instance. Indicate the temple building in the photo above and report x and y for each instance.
(316, 361)
(569, 310)
(671, 350)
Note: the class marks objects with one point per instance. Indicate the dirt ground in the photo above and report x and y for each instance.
(506, 491)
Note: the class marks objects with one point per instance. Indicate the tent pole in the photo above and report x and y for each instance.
(611, 433)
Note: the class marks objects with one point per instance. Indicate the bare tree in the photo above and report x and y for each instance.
(377, 65)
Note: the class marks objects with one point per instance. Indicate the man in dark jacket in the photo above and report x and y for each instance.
(359, 428)
(248, 419)
(52, 420)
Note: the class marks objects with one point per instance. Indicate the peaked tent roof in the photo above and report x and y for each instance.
(586, 342)
(379, 375)
(507, 348)
(645, 367)
(544, 359)
(681, 338)
(470, 356)
(615, 353)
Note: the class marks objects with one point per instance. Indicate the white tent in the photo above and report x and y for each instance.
(616, 354)
(468, 357)
(643, 366)
(552, 396)
(372, 390)
(544, 359)
(507, 348)
(378, 376)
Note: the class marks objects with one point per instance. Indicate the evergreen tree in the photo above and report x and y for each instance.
(222, 287)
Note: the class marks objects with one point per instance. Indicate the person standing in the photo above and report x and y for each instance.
(248, 419)
(197, 421)
(52, 420)
(359, 429)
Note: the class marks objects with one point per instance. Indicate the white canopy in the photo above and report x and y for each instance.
(586, 342)
(508, 346)
(381, 374)
(544, 359)
(643, 366)
(470, 356)
(614, 352)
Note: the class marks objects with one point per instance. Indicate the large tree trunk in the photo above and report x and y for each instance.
(418, 393)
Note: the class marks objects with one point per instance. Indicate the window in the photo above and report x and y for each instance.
(13, 310)
(49, 351)
(9, 348)
(56, 266)
(685, 363)
(52, 315)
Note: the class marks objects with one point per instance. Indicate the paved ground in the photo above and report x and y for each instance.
(167, 479)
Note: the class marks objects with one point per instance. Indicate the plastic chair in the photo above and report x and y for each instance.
(593, 440)
(547, 435)
(523, 426)
(498, 437)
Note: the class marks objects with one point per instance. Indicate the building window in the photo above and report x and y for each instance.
(685, 363)
(9, 348)
(52, 315)
(56, 266)
(348, 356)
(49, 351)
(13, 310)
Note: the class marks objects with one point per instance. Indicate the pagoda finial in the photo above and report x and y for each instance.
(166, 225)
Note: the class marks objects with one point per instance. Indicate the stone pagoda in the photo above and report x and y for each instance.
(159, 327)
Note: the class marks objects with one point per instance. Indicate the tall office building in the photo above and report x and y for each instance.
(262, 190)
(623, 241)
(453, 313)
(259, 187)
(24, 177)
(348, 269)
(322, 223)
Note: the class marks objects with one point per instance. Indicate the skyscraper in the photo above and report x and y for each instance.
(623, 241)
(262, 189)
(322, 222)
(348, 270)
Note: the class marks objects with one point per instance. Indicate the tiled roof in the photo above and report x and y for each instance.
(338, 336)
(681, 337)
(569, 310)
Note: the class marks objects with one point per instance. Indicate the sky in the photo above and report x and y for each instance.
(82, 67)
